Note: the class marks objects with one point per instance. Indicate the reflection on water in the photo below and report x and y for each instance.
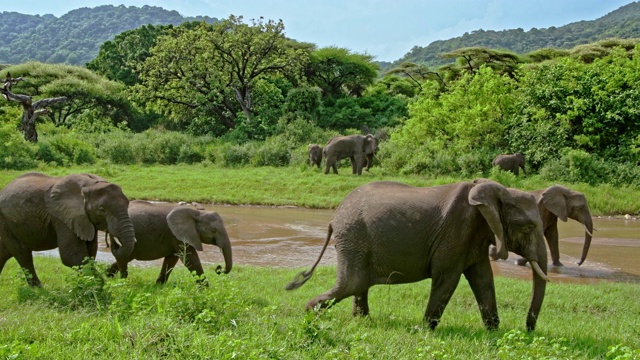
(293, 237)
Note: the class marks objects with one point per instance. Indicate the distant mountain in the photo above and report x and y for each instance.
(75, 37)
(622, 23)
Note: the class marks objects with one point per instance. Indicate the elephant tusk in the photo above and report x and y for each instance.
(538, 270)
(587, 230)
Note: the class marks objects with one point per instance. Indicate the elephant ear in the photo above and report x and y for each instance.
(65, 202)
(486, 197)
(182, 222)
(555, 201)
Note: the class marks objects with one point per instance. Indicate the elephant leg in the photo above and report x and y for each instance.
(480, 278)
(13, 248)
(331, 164)
(442, 288)
(192, 262)
(73, 251)
(354, 165)
(361, 304)
(113, 269)
(167, 265)
(551, 234)
(5, 255)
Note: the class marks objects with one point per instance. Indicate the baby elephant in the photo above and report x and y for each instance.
(315, 155)
(173, 233)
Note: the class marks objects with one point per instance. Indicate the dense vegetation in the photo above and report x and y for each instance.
(75, 37)
(621, 23)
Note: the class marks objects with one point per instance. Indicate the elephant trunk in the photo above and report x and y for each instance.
(225, 246)
(122, 228)
(539, 270)
(588, 234)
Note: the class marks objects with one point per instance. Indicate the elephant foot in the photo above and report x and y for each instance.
(521, 261)
(558, 263)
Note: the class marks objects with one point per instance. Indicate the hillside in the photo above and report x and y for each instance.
(622, 23)
(75, 37)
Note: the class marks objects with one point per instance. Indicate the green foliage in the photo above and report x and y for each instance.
(515, 343)
(74, 38)
(15, 152)
(65, 149)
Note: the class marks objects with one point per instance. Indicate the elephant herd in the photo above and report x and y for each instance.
(360, 149)
(384, 233)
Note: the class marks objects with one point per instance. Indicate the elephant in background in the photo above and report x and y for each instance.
(510, 162)
(392, 233)
(354, 147)
(173, 233)
(315, 155)
(39, 212)
(558, 202)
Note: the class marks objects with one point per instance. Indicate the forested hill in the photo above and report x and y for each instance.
(75, 37)
(621, 23)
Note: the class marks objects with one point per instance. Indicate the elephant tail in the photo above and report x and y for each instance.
(303, 276)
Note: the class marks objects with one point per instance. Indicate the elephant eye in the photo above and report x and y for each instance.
(102, 210)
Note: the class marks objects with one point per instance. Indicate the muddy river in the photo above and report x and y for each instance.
(293, 237)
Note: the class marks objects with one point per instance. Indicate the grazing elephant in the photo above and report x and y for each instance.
(173, 233)
(315, 155)
(560, 202)
(509, 162)
(392, 233)
(40, 212)
(355, 147)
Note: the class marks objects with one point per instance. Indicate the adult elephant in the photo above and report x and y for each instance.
(559, 202)
(173, 233)
(510, 162)
(354, 147)
(40, 212)
(315, 154)
(392, 233)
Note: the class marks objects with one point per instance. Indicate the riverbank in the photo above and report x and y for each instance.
(301, 186)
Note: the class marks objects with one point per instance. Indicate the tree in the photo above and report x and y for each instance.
(120, 58)
(210, 71)
(83, 90)
(339, 73)
(31, 110)
(472, 58)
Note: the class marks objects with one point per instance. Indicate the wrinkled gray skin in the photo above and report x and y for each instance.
(39, 212)
(315, 155)
(173, 233)
(354, 147)
(511, 163)
(392, 233)
(558, 202)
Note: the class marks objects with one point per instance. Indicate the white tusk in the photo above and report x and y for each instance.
(587, 230)
(538, 270)
(117, 241)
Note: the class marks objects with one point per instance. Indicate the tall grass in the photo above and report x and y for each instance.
(247, 314)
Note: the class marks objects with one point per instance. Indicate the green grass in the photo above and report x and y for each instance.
(247, 314)
(298, 185)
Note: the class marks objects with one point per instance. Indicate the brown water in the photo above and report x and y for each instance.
(293, 237)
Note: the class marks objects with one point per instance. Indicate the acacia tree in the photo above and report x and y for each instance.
(211, 70)
(31, 110)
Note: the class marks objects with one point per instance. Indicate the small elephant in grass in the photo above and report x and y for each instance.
(315, 155)
(355, 147)
(510, 162)
(39, 212)
(559, 202)
(392, 233)
(175, 233)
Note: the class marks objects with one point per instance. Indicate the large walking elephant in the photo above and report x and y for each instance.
(510, 162)
(173, 233)
(355, 147)
(392, 233)
(40, 212)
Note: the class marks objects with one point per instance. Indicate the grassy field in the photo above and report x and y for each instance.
(247, 314)
(298, 186)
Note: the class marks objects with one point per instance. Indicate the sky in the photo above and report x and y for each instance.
(384, 29)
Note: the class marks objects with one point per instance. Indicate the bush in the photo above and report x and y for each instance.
(235, 155)
(15, 152)
(65, 149)
(117, 147)
(271, 153)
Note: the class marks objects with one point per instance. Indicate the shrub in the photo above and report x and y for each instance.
(15, 152)
(271, 153)
(65, 149)
(235, 155)
(118, 147)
